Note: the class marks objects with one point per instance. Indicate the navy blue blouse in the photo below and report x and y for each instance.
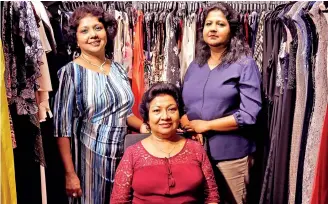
(230, 89)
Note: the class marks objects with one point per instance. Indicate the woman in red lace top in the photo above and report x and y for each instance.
(164, 167)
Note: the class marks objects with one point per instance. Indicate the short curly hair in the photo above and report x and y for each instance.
(159, 88)
(237, 47)
(105, 18)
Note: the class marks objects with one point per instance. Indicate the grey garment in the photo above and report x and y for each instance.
(171, 52)
(258, 48)
(320, 104)
(301, 92)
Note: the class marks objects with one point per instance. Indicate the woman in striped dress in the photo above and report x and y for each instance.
(93, 108)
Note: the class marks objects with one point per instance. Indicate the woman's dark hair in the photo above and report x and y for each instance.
(160, 88)
(105, 18)
(237, 46)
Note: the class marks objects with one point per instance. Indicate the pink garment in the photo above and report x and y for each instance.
(187, 177)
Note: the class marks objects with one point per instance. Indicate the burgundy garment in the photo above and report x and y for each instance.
(320, 190)
(186, 177)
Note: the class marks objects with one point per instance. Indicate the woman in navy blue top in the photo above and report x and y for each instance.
(222, 97)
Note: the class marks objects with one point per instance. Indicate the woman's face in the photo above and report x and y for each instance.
(216, 32)
(164, 116)
(91, 35)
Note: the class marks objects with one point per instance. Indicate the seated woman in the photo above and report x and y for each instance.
(164, 167)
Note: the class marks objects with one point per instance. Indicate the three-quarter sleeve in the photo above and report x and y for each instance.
(64, 105)
(122, 189)
(250, 94)
(210, 188)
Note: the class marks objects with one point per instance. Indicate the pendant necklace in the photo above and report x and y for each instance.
(101, 67)
(168, 153)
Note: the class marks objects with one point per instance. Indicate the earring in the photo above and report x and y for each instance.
(76, 54)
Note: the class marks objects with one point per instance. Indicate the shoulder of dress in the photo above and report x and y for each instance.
(194, 145)
(67, 68)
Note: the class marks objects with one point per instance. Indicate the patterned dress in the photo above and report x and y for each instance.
(92, 109)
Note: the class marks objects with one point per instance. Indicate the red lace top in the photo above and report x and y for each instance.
(186, 177)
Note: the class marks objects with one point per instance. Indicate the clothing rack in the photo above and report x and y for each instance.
(182, 7)
(189, 7)
(72, 5)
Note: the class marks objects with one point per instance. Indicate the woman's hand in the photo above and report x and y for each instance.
(144, 128)
(199, 138)
(199, 126)
(73, 186)
(185, 123)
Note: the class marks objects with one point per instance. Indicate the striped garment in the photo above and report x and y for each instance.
(92, 109)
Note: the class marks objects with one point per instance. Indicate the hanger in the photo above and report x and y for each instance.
(326, 5)
(74, 5)
(156, 7)
(188, 7)
(196, 7)
(64, 8)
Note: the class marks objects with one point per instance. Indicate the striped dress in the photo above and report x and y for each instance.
(92, 109)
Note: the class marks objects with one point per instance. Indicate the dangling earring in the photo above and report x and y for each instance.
(148, 127)
(69, 51)
(76, 53)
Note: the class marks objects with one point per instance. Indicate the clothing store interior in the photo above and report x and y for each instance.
(85, 87)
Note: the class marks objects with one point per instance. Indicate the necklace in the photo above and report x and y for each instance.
(101, 67)
(161, 150)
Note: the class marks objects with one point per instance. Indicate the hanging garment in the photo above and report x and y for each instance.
(138, 65)
(285, 113)
(148, 38)
(127, 50)
(188, 45)
(23, 68)
(158, 44)
(258, 50)
(43, 14)
(310, 53)
(320, 103)
(8, 183)
(253, 23)
(42, 95)
(171, 59)
(92, 109)
(119, 41)
(301, 90)
(323, 7)
(320, 187)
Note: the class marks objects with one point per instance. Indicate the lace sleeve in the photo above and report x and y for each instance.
(210, 188)
(122, 190)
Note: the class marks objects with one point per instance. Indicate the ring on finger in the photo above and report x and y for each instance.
(74, 194)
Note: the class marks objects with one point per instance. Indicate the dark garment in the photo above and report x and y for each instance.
(171, 50)
(27, 169)
(273, 90)
(286, 123)
(229, 89)
(284, 120)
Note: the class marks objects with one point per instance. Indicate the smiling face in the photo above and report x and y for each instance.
(164, 116)
(91, 35)
(216, 30)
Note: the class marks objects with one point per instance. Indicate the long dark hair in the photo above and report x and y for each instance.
(105, 18)
(237, 47)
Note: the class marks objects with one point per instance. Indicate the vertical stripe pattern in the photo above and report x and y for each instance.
(92, 109)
